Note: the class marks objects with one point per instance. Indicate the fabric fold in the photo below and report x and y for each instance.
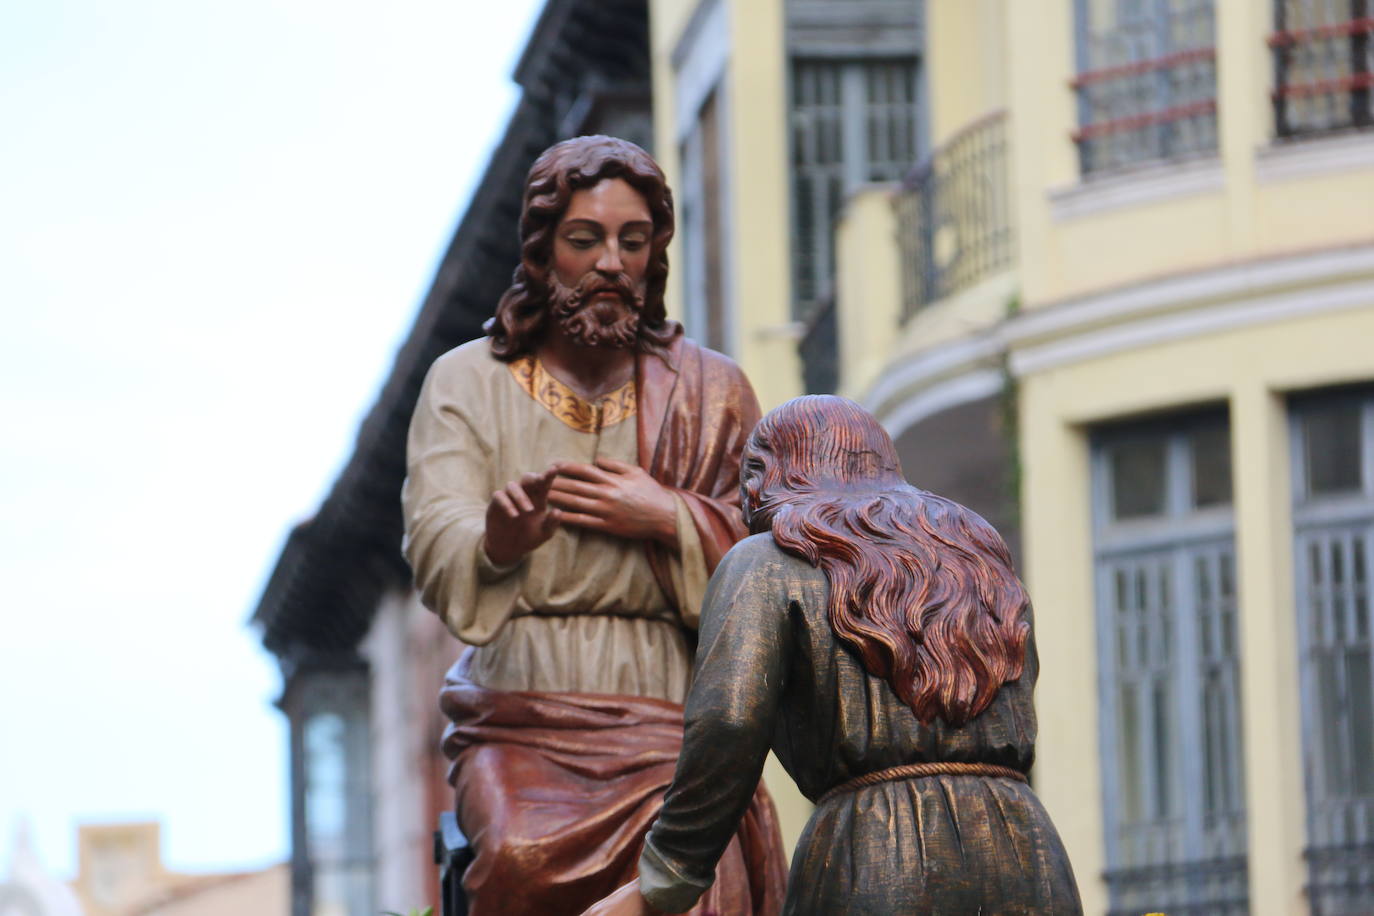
(556, 792)
(696, 410)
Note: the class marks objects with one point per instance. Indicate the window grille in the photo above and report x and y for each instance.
(1146, 83)
(853, 122)
(1173, 773)
(1333, 461)
(1323, 65)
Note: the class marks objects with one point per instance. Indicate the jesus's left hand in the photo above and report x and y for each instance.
(615, 498)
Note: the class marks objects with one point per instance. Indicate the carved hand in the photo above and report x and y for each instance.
(615, 498)
(519, 518)
(626, 901)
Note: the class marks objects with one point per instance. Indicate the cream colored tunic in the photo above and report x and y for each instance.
(583, 611)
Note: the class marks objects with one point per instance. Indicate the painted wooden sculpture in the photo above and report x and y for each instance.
(572, 481)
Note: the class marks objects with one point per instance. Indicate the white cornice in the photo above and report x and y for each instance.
(962, 389)
(1170, 293)
(934, 362)
(1145, 185)
(1192, 323)
(1312, 157)
(1172, 308)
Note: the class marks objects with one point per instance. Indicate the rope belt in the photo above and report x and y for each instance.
(917, 770)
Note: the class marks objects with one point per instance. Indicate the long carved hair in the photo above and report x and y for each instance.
(522, 315)
(921, 588)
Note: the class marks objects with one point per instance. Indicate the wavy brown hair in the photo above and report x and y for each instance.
(921, 588)
(522, 315)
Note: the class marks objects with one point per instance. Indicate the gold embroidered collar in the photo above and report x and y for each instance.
(565, 404)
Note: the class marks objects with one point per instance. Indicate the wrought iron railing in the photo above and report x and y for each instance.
(819, 349)
(1341, 879)
(1214, 887)
(1323, 66)
(954, 215)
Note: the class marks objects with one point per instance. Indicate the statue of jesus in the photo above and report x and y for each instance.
(572, 482)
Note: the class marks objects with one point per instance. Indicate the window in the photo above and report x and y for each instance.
(1323, 65)
(1146, 83)
(332, 794)
(1168, 652)
(1333, 464)
(19, 900)
(702, 130)
(853, 122)
(703, 227)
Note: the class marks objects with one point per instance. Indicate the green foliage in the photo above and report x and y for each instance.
(1010, 410)
(427, 911)
(1013, 305)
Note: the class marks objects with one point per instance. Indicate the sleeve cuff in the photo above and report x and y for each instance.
(487, 571)
(663, 886)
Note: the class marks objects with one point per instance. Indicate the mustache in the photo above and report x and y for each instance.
(593, 284)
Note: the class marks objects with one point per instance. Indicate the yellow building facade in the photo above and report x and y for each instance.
(1239, 278)
(1122, 303)
(709, 94)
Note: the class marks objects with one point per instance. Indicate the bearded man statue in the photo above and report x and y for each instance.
(572, 482)
(876, 637)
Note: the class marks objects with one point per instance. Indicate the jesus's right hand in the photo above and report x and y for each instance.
(519, 518)
(626, 901)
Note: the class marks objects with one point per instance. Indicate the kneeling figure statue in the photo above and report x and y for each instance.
(877, 639)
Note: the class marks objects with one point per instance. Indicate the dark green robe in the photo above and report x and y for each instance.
(769, 673)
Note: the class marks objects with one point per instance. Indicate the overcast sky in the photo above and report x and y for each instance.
(216, 223)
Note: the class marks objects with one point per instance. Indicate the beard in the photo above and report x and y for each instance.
(598, 322)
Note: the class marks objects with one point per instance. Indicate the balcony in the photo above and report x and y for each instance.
(954, 215)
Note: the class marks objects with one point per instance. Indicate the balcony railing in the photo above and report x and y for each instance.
(1323, 66)
(819, 349)
(954, 215)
